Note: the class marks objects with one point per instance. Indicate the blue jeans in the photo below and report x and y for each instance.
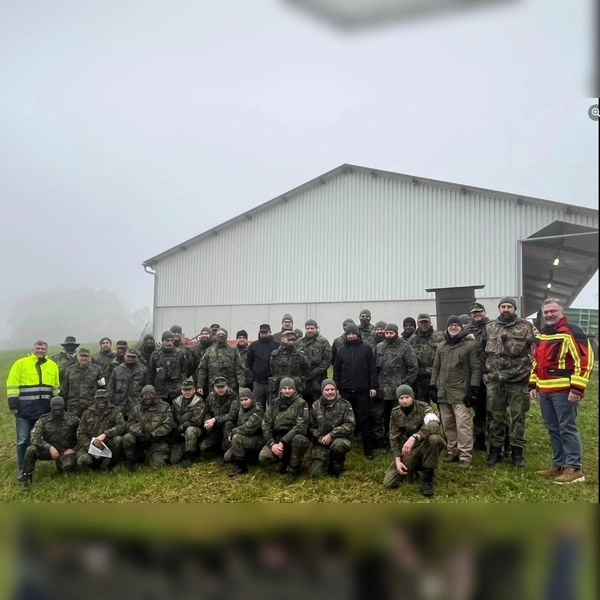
(560, 416)
(24, 427)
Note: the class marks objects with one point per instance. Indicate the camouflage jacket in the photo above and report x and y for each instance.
(103, 360)
(189, 358)
(110, 369)
(144, 355)
(60, 433)
(288, 363)
(318, 351)
(367, 335)
(248, 374)
(396, 364)
(93, 423)
(457, 366)
(223, 361)
(125, 386)
(166, 372)
(478, 331)
(156, 419)
(248, 421)
(284, 419)
(425, 344)
(63, 360)
(508, 350)
(277, 335)
(189, 412)
(80, 385)
(336, 418)
(219, 407)
(198, 352)
(402, 426)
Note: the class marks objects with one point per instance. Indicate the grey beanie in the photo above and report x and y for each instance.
(464, 319)
(311, 322)
(365, 311)
(328, 382)
(380, 324)
(225, 330)
(207, 329)
(148, 389)
(404, 390)
(287, 318)
(57, 401)
(351, 328)
(246, 393)
(508, 300)
(287, 382)
(166, 335)
(392, 327)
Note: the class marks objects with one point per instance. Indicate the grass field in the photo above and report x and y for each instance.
(207, 482)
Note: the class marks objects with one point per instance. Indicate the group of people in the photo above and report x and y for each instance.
(409, 391)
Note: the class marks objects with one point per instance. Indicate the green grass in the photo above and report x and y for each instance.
(207, 482)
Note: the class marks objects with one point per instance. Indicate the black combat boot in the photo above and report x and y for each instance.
(27, 481)
(494, 457)
(427, 483)
(292, 475)
(507, 448)
(187, 460)
(239, 469)
(479, 443)
(336, 467)
(516, 454)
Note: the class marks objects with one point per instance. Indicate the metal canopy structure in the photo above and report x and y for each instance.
(557, 262)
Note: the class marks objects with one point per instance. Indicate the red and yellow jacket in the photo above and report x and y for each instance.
(562, 359)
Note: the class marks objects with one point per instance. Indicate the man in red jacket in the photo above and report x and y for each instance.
(562, 366)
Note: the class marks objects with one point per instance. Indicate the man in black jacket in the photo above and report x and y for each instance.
(355, 373)
(258, 361)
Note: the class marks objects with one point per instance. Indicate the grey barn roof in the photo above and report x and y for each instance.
(349, 168)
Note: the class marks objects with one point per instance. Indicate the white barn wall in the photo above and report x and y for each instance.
(355, 238)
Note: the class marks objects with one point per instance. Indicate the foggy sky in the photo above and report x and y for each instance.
(129, 127)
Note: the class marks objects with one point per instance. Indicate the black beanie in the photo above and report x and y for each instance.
(166, 335)
(453, 319)
(409, 320)
(351, 328)
(242, 332)
(392, 327)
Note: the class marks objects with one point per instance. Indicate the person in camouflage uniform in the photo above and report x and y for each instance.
(287, 324)
(221, 406)
(243, 347)
(221, 360)
(167, 368)
(330, 427)
(66, 358)
(379, 332)
(424, 342)
(507, 343)
(189, 413)
(409, 325)
(476, 327)
(126, 383)
(118, 360)
(396, 365)
(105, 356)
(205, 341)
(366, 331)
(150, 423)
(416, 441)
(284, 427)
(318, 351)
(177, 332)
(288, 361)
(105, 422)
(146, 349)
(81, 382)
(339, 341)
(53, 437)
(246, 434)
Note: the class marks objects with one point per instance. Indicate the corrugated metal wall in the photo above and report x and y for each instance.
(358, 238)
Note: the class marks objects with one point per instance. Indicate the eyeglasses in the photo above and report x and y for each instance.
(550, 312)
(453, 325)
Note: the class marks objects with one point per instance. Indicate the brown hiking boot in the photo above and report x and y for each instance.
(570, 475)
(551, 472)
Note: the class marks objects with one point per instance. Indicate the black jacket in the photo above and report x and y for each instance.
(355, 369)
(259, 358)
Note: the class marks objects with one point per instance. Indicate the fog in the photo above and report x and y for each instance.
(126, 128)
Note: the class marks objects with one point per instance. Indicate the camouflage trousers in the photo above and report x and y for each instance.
(507, 405)
(376, 420)
(425, 455)
(242, 444)
(155, 454)
(65, 463)
(216, 438)
(86, 461)
(292, 455)
(186, 442)
(332, 456)
(261, 394)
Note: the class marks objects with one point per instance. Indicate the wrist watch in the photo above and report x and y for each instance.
(415, 436)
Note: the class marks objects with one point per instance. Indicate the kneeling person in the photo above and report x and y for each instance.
(53, 437)
(149, 424)
(188, 412)
(331, 427)
(284, 426)
(105, 422)
(217, 421)
(416, 440)
(246, 434)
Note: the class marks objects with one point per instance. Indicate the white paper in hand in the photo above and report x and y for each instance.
(103, 452)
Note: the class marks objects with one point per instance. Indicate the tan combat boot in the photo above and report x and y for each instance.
(551, 472)
(570, 475)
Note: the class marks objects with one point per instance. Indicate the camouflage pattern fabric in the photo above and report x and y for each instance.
(288, 361)
(396, 364)
(125, 386)
(103, 360)
(508, 404)
(166, 372)
(318, 351)
(221, 361)
(79, 387)
(95, 422)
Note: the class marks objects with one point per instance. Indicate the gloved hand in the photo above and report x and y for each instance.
(433, 393)
(471, 397)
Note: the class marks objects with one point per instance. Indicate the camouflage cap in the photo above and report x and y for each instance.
(188, 384)
(84, 352)
(219, 381)
(423, 317)
(131, 352)
(102, 393)
(122, 344)
(289, 333)
(477, 307)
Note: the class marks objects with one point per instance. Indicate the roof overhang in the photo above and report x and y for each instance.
(557, 262)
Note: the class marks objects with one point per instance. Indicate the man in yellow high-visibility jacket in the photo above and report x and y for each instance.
(31, 382)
